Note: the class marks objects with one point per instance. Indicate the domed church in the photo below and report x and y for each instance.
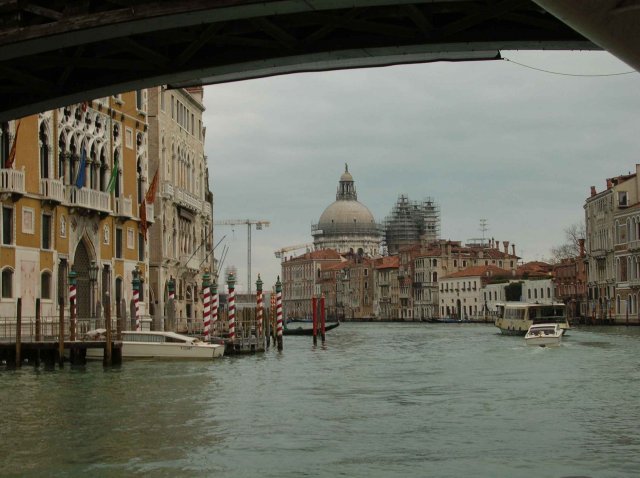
(347, 225)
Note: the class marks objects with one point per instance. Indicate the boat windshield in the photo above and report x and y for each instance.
(142, 338)
(547, 313)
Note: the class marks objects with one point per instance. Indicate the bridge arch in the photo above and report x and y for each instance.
(57, 55)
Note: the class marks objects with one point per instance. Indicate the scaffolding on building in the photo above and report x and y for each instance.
(410, 223)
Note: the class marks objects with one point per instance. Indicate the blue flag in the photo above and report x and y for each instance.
(82, 171)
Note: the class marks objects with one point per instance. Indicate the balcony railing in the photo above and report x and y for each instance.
(167, 190)
(188, 200)
(189, 262)
(89, 199)
(52, 189)
(123, 206)
(634, 245)
(12, 181)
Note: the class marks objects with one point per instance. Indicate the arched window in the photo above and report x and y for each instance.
(4, 142)
(139, 179)
(7, 283)
(44, 152)
(118, 292)
(62, 148)
(45, 285)
(116, 173)
(104, 171)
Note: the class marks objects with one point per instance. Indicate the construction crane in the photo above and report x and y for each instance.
(280, 252)
(248, 222)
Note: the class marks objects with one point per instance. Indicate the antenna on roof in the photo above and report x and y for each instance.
(483, 228)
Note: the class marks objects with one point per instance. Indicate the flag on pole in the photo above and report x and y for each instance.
(12, 154)
(150, 197)
(143, 219)
(83, 169)
(111, 186)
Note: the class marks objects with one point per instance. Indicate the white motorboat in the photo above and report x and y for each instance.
(160, 345)
(544, 334)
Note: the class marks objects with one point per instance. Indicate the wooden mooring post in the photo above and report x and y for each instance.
(323, 320)
(314, 308)
(38, 332)
(19, 332)
(107, 357)
(61, 333)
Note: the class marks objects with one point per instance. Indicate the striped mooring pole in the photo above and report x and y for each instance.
(206, 303)
(72, 304)
(214, 304)
(260, 307)
(279, 313)
(231, 282)
(136, 297)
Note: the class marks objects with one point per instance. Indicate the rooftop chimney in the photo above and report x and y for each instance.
(506, 246)
(513, 249)
(609, 183)
(593, 191)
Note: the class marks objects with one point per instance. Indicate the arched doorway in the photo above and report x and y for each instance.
(458, 309)
(81, 263)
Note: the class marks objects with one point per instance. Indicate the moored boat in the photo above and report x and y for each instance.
(544, 334)
(156, 344)
(515, 318)
(308, 330)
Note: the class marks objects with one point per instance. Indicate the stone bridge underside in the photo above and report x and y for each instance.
(55, 52)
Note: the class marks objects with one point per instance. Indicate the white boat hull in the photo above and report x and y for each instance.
(544, 341)
(144, 350)
(161, 345)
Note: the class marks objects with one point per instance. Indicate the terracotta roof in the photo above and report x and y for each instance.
(333, 266)
(535, 268)
(478, 271)
(387, 262)
(322, 254)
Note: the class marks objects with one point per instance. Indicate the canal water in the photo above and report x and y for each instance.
(380, 400)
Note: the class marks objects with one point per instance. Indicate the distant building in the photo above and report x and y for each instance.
(386, 295)
(462, 292)
(347, 225)
(301, 280)
(612, 220)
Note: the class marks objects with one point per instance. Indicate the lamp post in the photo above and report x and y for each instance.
(93, 277)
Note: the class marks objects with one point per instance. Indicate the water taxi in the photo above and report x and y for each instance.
(170, 345)
(544, 334)
(515, 318)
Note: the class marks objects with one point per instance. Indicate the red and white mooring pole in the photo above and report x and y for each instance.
(231, 282)
(206, 303)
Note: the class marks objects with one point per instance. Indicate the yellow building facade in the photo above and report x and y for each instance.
(70, 201)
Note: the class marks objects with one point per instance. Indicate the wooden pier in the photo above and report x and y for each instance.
(48, 353)
(53, 340)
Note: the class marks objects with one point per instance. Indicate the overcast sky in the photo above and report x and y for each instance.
(494, 140)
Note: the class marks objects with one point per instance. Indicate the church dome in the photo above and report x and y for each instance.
(346, 217)
(346, 214)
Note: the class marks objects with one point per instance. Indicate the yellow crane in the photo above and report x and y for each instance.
(281, 252)
(248, 222)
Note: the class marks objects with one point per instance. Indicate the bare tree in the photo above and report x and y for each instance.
(571, 247)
